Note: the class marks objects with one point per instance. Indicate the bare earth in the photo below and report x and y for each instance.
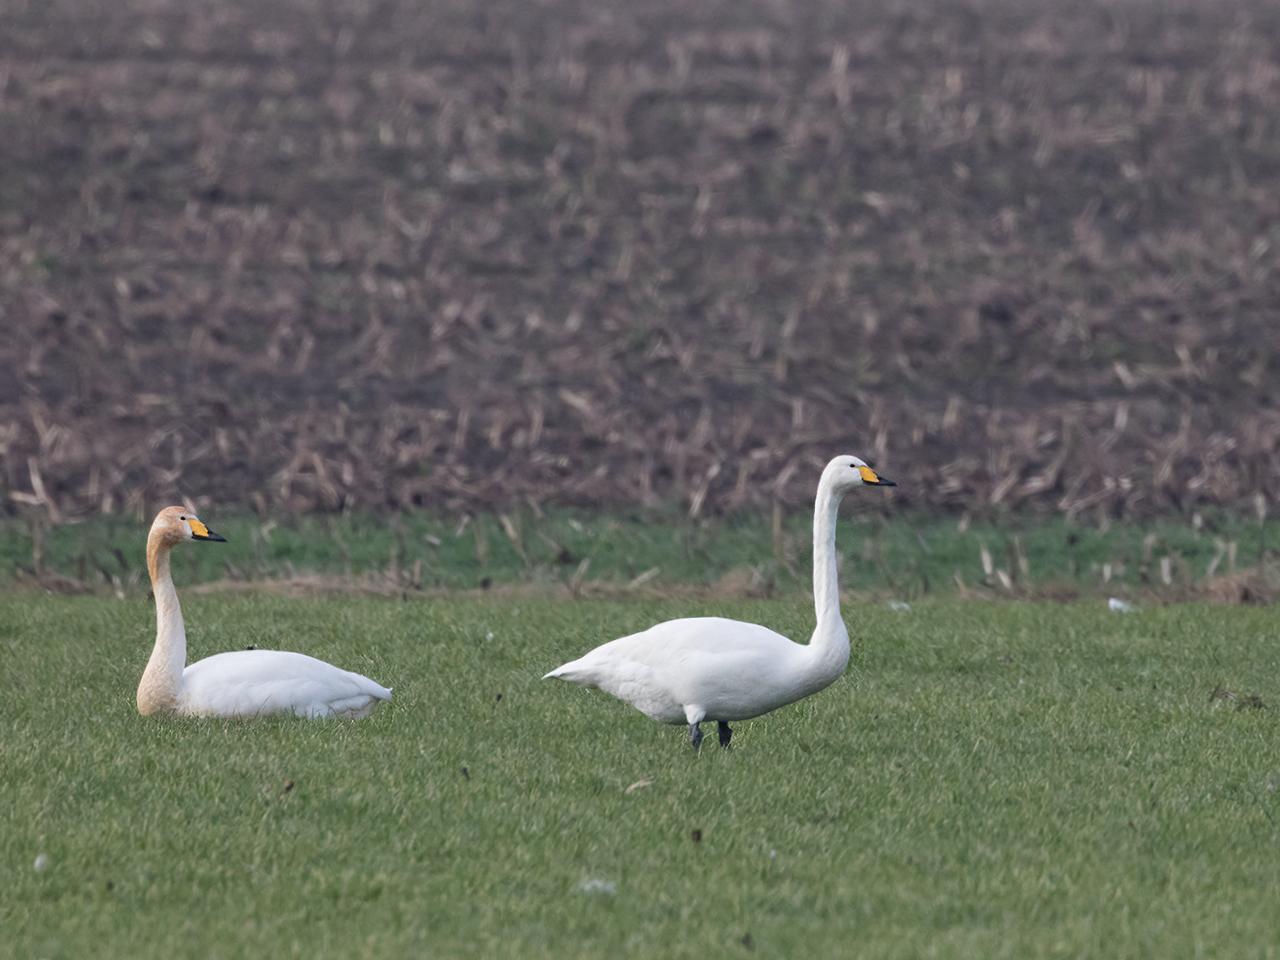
(321, 255)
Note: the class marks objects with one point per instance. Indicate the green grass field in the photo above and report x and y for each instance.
(988, 780)
(895, 555)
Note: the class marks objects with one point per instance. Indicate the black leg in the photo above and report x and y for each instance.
(725, 733)
(695, 735)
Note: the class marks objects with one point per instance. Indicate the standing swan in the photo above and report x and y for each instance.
(710, 668)
(245, 683)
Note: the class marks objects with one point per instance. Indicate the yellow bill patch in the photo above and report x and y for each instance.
(868, 475)
(197, 527)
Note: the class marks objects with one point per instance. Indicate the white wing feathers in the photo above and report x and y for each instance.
(248, 683)
(728, 668)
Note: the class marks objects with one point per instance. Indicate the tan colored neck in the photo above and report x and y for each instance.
(158, 550)
(161, 681)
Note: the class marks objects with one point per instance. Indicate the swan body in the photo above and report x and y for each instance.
(704, 667)
(710, 668)
(247, 683)
(243, 683)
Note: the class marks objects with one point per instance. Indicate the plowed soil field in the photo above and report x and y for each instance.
(315, 255)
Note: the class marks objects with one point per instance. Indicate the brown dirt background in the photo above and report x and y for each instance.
(332, 254)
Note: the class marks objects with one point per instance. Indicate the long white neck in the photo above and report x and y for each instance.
(830, 641)
(162, 680)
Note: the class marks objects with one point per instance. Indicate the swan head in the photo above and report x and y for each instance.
(175, 524)
(846, 472)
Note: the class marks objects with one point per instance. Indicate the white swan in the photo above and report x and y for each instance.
(244, 683)
(710, 668)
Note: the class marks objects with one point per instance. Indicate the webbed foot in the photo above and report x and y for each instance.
(725, 733)
(695, 735)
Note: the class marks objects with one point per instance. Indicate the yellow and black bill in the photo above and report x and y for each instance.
(873, 479)
(200, 532)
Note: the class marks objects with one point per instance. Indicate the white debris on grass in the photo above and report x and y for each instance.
(901, 606)
(594, 885)
(42, 863)
(1116, 605)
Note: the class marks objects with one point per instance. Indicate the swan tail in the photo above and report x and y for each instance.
(371, 687)
(572, 671)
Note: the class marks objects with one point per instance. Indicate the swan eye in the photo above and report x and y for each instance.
(182, 518)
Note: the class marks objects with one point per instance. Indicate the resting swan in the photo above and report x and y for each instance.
(710, 668)
(245, 683)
